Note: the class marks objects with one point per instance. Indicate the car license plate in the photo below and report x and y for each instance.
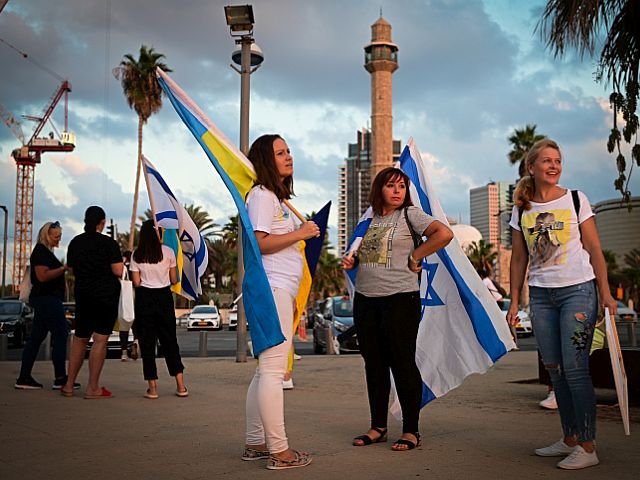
(203, 323)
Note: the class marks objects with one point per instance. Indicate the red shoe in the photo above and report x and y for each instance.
(104, 393)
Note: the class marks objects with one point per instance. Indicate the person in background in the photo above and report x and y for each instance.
(278, 238)
(387, 306)
(96, 263)
(497, 296)
(153, 271)
(554, 233)
(47, 294)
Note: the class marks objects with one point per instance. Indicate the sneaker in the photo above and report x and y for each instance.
(251, 454)
(28, 383)
(125, 356)
(549, 402)
(558, 449)
(287, 384)
(58, 383)
(578, 459)
(302, 459)
(297, 357)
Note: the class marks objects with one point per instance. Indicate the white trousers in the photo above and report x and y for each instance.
(265, 398)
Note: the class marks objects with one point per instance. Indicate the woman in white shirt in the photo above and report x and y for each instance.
(278, 238)
(153, 271)
(554, 232)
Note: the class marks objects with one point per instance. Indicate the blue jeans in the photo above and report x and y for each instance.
(48, 317)
(563, 321)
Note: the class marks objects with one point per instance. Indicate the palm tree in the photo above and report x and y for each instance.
(482, 256)
(230, 231)
(521, 141)
(144, 95)
(578, 24)
(206, 226)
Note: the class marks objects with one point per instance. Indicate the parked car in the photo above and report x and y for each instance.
(313, 312)
(337, 315)
(524, 327)
(233, 318)
(204, 317)
(625, 314)
(16, 320)
(182, 319)
(70, 314)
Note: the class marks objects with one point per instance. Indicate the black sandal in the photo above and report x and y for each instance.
(367, 440)
(408, 443)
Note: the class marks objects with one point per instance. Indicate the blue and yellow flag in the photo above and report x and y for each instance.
(239, 176)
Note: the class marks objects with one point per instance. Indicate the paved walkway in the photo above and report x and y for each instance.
(486, 429)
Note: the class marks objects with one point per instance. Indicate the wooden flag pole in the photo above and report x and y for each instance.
(294, 211)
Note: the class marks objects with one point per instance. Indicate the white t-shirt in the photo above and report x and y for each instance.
(269, 215)
(155, 275)
(557, 257)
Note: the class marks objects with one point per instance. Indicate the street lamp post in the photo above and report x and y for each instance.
(4, 248)
(249, 57)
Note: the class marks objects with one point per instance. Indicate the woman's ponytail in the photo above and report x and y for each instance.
(526, 187)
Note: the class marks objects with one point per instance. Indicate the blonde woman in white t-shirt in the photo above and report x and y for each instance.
(554, 232)
(278, 238)
(153, 271)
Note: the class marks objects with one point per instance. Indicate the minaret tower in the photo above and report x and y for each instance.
(381, 60)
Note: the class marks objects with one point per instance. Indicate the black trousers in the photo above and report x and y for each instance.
(387, 329)
(156, 321)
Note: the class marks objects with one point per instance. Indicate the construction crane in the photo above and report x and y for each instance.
(27, 157)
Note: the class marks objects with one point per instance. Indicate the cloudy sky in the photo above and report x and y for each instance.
(470, 72)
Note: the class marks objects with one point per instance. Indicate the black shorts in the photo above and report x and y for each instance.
(95, 314)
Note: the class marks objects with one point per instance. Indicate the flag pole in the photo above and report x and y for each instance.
(150, 193)
(294, 211)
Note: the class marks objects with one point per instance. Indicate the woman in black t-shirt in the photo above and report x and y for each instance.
(47, 294)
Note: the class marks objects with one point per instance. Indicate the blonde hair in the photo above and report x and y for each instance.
(43, 234)
(526, 187)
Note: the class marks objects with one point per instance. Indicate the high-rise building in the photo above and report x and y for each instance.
(381, 60)
(490, 211)
(355, 183)
(616, 226)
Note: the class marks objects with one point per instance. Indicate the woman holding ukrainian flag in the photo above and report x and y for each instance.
(278, 238)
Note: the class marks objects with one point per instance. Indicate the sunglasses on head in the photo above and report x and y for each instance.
(55, 224)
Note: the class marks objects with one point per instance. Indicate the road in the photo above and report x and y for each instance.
(223, 344)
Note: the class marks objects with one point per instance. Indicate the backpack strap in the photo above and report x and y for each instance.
(417, 239)
(576, 207)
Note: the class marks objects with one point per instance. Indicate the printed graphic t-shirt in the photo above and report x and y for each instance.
(155, 275)
(384, 252)
(269, 215)
(551, 231)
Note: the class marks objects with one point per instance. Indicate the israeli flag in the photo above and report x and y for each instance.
(462, 330)
(192, 257)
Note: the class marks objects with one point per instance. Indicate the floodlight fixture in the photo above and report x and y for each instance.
(240, 19)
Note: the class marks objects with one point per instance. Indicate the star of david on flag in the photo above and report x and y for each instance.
(462, 330)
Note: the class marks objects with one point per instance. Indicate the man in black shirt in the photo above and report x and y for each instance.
(96, 263)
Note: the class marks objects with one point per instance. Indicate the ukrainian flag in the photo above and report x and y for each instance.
(238, 175)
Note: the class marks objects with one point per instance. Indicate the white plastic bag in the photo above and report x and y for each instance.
(25, 285)
(125, 307)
